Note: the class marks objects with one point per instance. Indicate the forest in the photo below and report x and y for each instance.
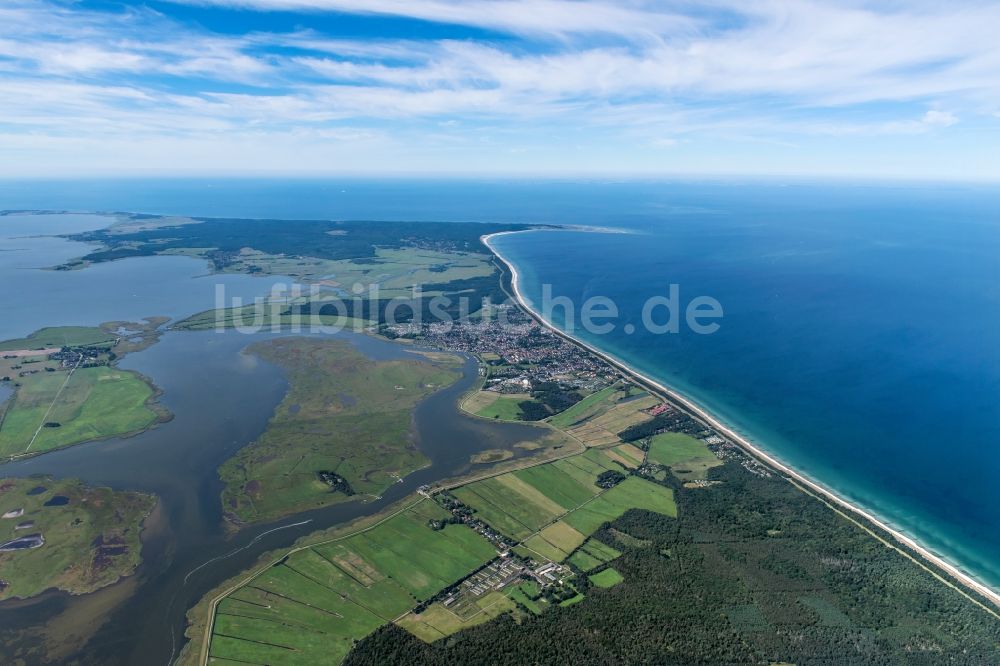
(751, 572)
(322, 239)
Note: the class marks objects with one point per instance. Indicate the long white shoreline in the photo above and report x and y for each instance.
(960, 576)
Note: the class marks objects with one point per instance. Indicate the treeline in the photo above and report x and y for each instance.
(673, 421)
(751, 572)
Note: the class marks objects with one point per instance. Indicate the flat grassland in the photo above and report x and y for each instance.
(91, 535)
(627, 455)
(60, 336)
(554, 507)
(438, 622)
(597, 419)
(527, 595)
(586, 408)
(592, 554)
(55, 406)
(93, 403)
(632, 493)
(312, 606)
(498, 406)
(394, 271)
(503, 407)
(607, 578)
(344, 413)
(688, 458)
(478, 400)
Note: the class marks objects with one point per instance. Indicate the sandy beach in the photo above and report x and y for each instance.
(752, 449)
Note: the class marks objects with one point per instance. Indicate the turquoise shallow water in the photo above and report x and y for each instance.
(860, 339)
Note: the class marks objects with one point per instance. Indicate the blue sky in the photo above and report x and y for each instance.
(898, 88)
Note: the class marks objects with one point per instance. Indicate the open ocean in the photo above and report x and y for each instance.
(861, 336)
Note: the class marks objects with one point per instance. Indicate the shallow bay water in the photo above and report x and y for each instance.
(221, 399)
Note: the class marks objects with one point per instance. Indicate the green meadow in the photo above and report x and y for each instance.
(585, 408)
(687, 457)
(343, 413)
(504, 408)
(312, 606)
(606, 578)
(60, 336)
(93, 403)
(525, 505)
(53, 407)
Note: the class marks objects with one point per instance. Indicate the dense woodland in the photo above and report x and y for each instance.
(322, 239)
(673, 421)
(751, 572)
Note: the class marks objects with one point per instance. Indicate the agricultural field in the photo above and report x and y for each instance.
(556, 541)
(54, 405)
(478, 400)
(688, 458)
(92, 403)
(90, 535)
(522, 502)
(313, 605)
(592, 554)
(525, 505)
(344, 415)
(553, 508)
(437, 622)
(498, 406)
(822, 592)
(628, 456)
(527, 594)
(510, 505)
(632, 493)
(503, 407)
(606, 578)
(609, 412)
(587, 407)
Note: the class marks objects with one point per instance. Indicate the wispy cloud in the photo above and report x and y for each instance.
(643, 74)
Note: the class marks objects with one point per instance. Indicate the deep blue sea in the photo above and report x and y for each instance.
(860, 340)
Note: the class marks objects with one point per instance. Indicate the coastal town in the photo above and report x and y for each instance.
(516, 351)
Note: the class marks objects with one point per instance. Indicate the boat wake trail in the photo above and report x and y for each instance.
(242, 548)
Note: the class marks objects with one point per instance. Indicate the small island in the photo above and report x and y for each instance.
(65, 535)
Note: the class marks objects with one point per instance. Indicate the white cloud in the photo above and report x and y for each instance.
(939, 119)
(655, 75)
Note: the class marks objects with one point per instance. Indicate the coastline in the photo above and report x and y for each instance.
(669, 394)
